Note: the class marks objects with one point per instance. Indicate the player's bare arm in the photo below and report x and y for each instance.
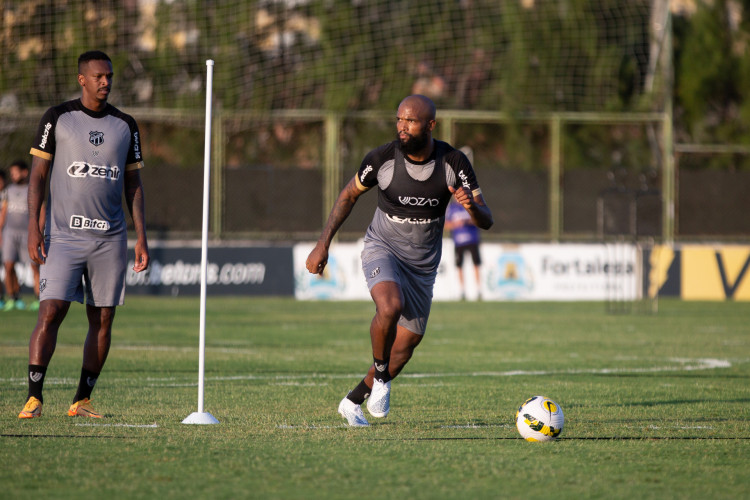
(137, 207)
(318, 258)
(480, 213)
(37, 185)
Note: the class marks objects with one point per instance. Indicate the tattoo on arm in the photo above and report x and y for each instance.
(341, 210)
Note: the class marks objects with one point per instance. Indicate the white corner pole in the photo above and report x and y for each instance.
(201, 417)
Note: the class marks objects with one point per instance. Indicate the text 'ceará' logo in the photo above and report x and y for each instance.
(96, 138)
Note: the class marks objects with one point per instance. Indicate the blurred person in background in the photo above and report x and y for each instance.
(2, 197)
(14, 223)
(466, 238)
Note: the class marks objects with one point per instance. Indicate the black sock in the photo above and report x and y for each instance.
(86, 384)
(35, 376)
(381, 370)
(359, 393)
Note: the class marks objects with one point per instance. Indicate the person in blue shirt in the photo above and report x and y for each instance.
(465, 240)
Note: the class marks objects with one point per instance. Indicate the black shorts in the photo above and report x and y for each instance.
(473, 249)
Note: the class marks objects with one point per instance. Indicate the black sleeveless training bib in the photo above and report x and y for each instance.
(408, 197)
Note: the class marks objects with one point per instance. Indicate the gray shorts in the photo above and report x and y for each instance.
(94, 267)
(14, 246)
(380, 265)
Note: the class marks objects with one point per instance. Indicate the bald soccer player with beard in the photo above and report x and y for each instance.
(415, 176)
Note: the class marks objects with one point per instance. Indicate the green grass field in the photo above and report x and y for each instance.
(656, 406)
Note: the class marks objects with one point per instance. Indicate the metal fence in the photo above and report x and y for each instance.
(276, 175)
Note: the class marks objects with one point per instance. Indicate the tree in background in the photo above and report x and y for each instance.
(712, 73)
(517, 56)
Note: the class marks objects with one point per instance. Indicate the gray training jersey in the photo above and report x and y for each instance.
(412, 199)
(17, 213)
(90, 152)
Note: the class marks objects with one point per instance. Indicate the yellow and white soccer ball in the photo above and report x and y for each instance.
(539, 419)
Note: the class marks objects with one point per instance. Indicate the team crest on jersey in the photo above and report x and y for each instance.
(96, 138)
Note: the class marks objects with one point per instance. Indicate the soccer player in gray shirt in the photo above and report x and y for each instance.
(14, 221)
(416, 177)
(91, 154)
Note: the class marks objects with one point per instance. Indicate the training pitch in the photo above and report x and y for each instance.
(656, 405)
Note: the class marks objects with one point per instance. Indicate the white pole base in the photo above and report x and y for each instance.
(200, 418)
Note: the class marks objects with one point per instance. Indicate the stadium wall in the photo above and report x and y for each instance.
(556, 272)
(242, 269)
(619, 271)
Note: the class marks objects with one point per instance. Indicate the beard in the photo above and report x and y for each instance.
(414, 143)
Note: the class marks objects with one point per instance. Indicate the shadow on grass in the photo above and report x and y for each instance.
(682, 402)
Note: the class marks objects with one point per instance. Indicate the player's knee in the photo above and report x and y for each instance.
(101, 319)
(51, 314)
(390, 308)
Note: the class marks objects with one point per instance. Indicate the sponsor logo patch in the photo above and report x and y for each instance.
(45, 135)
(366, 171)
(80, 169)
(464, 179)
(136, 146)
(410, 220)
(418, 201)
(81, 222)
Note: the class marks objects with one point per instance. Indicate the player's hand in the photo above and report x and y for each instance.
(141, 257)
(35, 247)
(317, 260)
(463, 196)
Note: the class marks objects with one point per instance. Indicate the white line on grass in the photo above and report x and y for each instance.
(165, 348)
(302, 384)
(682, 427)
(475, 426)
(686, 365)
(282, 426)
(681, 364)
(312, 427)
(141, 426)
